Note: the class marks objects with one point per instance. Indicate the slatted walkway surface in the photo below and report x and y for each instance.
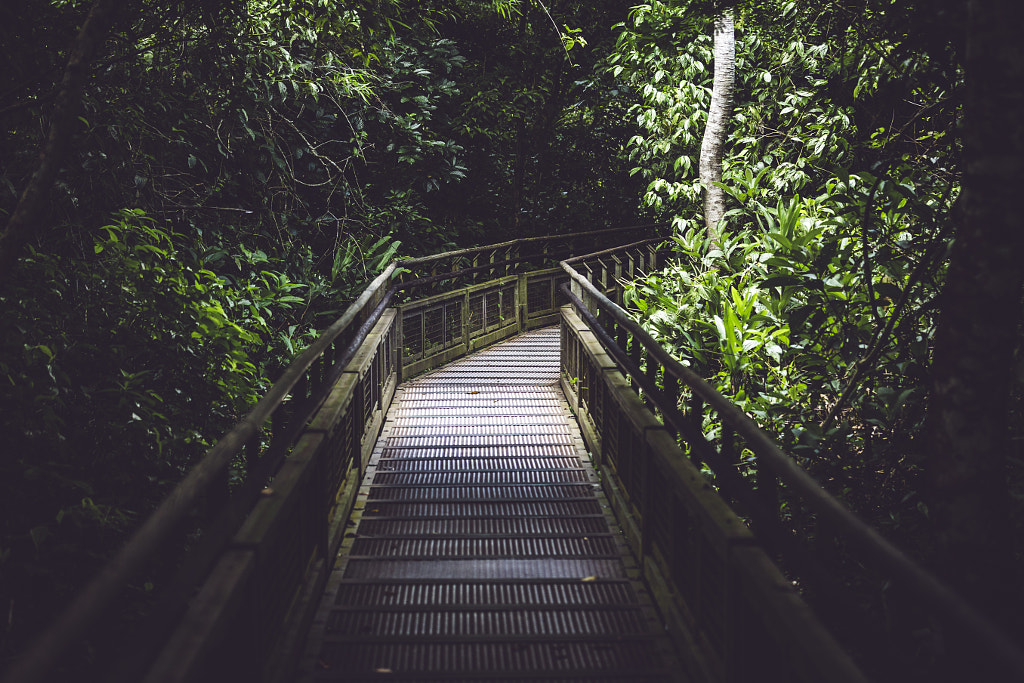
(481, 547)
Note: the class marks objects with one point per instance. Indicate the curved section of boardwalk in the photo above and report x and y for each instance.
(481, 547)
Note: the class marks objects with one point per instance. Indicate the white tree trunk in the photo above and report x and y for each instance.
(712, 148)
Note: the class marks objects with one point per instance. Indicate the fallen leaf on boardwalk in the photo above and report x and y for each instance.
(589, 578)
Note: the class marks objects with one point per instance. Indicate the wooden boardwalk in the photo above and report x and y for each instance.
(481, 547)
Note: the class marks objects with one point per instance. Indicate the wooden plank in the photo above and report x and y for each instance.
(285, 657)
(701, 666)
(361, 361)
(796, 633)
(502, 333)
(277, 497)
(205, 625)
(418, 367)
(334, 407)
(718, 522)
(542, 320)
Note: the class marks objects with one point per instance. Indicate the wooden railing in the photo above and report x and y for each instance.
(259, 552)
(642, 414)
(516, 293)
(247, 589)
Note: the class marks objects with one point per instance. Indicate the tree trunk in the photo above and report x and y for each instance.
(27, 215)
(973, 362)
(712, 147)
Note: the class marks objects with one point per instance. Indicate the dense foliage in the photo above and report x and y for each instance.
(817, 311)
(840, 215)
(236, 172)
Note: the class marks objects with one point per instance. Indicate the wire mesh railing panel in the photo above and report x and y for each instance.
(389, 351)
(659, 501)
(507, 304)
(339, 452)
(539, 295)
(629, 464)
(595, 392)
(433, 329)
(452, 323)
(492, 308)
(412, 336)
(477, 314)
(366, 392)
(611, 435)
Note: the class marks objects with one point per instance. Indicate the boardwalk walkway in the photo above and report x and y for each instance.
(481, 545)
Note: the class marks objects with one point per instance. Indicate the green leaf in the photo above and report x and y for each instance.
(782, 281)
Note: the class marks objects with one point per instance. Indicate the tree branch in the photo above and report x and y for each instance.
(25, 219)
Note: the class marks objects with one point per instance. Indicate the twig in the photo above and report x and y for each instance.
(862, 366)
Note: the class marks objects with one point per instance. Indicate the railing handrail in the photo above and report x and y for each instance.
(933, 592)
(612, 250)
(419, 260)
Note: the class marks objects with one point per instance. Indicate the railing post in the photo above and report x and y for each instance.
(465, 322)
(671, 394)
(652, 257)
(588, 299)
(728, 444)
(523, 302)
(646, 488)
(697, 417)
(576, 288)
(768, 491)
(728, 453)
(652, 376)
(617, 279)
(635, 350)
(399, 341)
